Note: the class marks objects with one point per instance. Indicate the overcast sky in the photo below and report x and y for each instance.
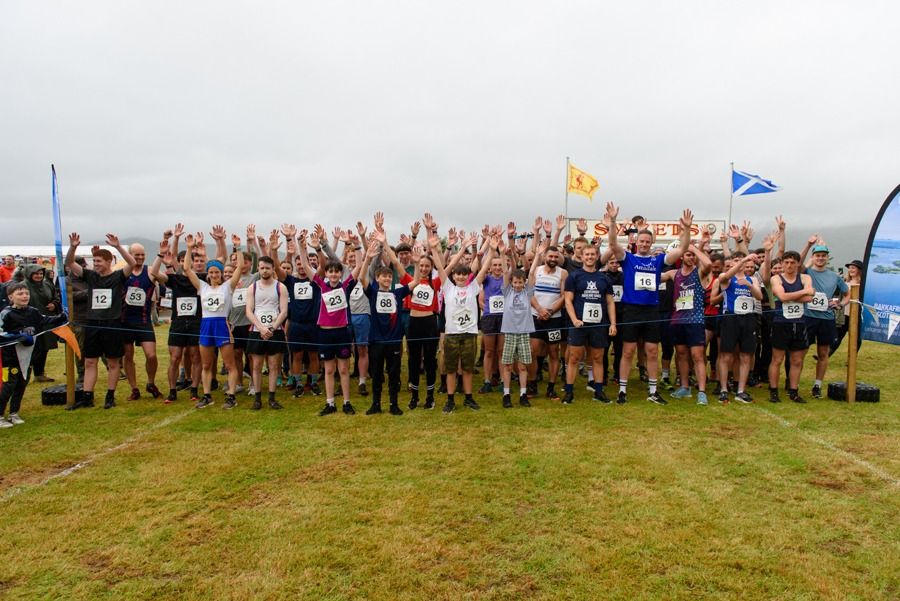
(230, 112)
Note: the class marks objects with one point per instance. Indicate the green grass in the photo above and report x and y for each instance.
(553, 502)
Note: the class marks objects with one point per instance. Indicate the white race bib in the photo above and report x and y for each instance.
(357, 292)
(644, 281)
(463, 318)
(495, 304)
(818, 303)
(187, 306)
(101, 298)
(423, 295)
(685, 301)
(239, 298)
(135, 297)
(743, 305)
(166, 301)
(592, 313)
(214, 301)
(303, 290)
(386, 303)
(266, 317)
(335, 300)
(792, 310)
(617, 292)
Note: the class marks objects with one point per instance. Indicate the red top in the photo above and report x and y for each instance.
(423, 295)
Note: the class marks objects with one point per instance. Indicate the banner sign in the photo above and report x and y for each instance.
(666, 232)
(881, 278)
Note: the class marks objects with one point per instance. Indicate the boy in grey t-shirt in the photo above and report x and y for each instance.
(517, 324)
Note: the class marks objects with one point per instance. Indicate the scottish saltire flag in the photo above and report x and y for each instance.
(743, 183)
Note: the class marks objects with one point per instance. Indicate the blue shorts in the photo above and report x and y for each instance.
(688, 334)
(592, 335)
(360, 325)
(214, 332)
(303, 337)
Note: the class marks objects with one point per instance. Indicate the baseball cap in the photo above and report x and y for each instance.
(819, 248)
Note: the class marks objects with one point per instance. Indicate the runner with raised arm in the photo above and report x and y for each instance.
(641, 272)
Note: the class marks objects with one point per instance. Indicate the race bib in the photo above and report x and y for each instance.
(463, 318)
(303, 290)
(423, 294)
(792, 310)
(239, 298)
(554, 335)
(101, 298)
(818, 303)
(135, 297)
(214, 301)
(495, 304)
(644, 281)
(743, 305)
(187, 306)
(617, 292)
(685, 301)
(266, 317)
(357, 292)
(335, 300)
(386, 303)
(592, 313)
(166, 301)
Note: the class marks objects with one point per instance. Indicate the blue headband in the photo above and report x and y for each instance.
(215, 263)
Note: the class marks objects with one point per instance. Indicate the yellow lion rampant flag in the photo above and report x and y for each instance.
(581, 182)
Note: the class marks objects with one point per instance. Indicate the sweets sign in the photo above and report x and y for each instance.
(666, 232)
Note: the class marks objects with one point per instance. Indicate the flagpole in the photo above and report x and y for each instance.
(730, 193)
(567, 191)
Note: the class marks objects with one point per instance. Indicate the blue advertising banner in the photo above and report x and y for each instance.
(881, 279)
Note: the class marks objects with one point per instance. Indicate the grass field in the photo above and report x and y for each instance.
(553, 502)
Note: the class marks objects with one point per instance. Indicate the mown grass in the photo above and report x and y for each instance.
(553, 502)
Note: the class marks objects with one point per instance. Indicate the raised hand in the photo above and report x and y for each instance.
(164, 245)
(262, 244)
(495, 243)
(734, 232)
(198, 239)
(289, 230)
(404, 239)
(167, 234)
(538, 223)
(548, 226)
(189, 240)
(582, 226)
(251, 232)
(471, 240)
(361, 229)
(374, 249)
(379, 221)
(561, 221)
(74, 239)
(274, 238)
(301, 240)
(779, 222)
(346, 236)
(236, 240)
(179, 230)
(414, 228)
(218, 232)
(486, 231)
(319, 232)
(687, 218)
(511, 229)
(112, 240)
(612, 210)
(545, 244)
(813, 239)
(380, 236)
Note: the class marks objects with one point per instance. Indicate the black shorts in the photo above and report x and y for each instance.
(303, 337)
(821, 331)
(592, 335)
(490, 324)
(273, 346)
(789, 336)
(738, 333)
(240, 334)
(184, 332)
(102, 339)
(640, 322)
(137, 333)
(666, 337)
(713, 323)
(335, 343)
(551, 331)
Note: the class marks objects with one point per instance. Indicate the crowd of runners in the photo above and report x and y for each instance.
(296, 309)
